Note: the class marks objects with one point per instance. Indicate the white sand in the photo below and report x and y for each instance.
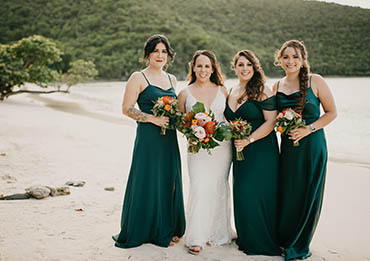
(49, 140)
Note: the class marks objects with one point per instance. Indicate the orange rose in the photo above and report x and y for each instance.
(194, 122)
(166, 100)
(210, 127)
(206, 140)
(280, 129)
(188, 116)
(167, 107)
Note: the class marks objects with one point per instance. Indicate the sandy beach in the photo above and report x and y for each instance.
(50, 139)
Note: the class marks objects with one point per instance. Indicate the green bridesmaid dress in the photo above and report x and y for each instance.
(301, 180)
(255, 184)
(153, 208)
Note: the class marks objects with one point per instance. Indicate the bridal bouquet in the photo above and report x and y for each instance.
(201, 129)
(240, 129)
(165, 106)
(288, 120)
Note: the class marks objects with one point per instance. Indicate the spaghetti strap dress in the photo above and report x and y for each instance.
(301, 180)
(153, 207)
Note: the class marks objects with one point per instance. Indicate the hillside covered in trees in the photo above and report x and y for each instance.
(112, 33)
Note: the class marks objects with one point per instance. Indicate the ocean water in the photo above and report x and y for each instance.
(348, 136)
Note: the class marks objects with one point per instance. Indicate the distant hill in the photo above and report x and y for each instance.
(112, 33)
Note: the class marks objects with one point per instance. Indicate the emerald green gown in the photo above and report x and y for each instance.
(255, 184)
(301, 180)
(153, 208)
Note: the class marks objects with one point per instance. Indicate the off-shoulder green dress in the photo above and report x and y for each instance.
(255, 183)
(153, 208)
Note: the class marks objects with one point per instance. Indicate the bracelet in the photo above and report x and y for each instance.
(313, 129)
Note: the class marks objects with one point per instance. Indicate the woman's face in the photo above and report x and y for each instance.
(291, 60)
(203, 68)
(158, 57)
(244, 69)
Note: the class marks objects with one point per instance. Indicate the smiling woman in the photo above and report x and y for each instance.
(255, 178)
(302, 168)
(209, 193)
(153, 208)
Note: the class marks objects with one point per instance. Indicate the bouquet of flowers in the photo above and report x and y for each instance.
(240, 129)
(288, 120)
(201, 129)
(165, 106)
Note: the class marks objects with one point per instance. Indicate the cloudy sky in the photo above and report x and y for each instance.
(360, 3)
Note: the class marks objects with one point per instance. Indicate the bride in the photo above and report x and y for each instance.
(208, 211)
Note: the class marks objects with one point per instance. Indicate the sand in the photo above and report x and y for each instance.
(51, 139)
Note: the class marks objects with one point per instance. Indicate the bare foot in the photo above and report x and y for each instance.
(194, 250)
(175, 239)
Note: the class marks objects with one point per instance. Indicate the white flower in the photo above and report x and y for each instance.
(280, 115)
(289, 115)
(199, 131)
(202, 118)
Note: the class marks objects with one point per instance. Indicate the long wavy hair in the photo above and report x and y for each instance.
(152, 42)
(303, 72)
(216, 76)
(254, 89)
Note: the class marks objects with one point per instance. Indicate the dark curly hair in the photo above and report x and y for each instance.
(304, 70)
(254, 89)
(216, 76)
(152, 42)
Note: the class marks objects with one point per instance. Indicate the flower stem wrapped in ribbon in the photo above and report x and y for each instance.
(288, 120)
(201, 129)
(165, 106)
(240, 129)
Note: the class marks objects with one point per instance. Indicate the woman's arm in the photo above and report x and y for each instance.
(132, 91)
(181, 100)
(263, 130)
(321, 89)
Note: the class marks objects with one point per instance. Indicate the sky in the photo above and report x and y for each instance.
(360, 3)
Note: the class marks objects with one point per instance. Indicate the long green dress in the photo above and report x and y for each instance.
(153, 208)
(301, 180)
(255, 184)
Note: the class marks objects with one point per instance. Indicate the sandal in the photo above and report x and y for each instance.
(194, 250)
(175, 239)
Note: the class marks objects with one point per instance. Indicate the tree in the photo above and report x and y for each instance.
(27, 60)
(81, 71)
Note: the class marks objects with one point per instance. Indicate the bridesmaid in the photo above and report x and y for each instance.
(302, 168)
(255, 178)
(153, 208)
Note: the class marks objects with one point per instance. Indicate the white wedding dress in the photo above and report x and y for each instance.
(208, 210)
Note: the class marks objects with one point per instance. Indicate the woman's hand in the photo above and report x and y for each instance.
(159, 121)
(299, 133)
(241, 144)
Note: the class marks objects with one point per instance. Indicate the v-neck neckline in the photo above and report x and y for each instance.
(214, 99)
(241, 105)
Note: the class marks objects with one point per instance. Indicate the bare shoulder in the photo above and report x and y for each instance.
(136, 78)
(317, 79)
(173, 78)
(318, 84)
(224, 90)
(183, 94)
(267, 93)
(275, 87)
